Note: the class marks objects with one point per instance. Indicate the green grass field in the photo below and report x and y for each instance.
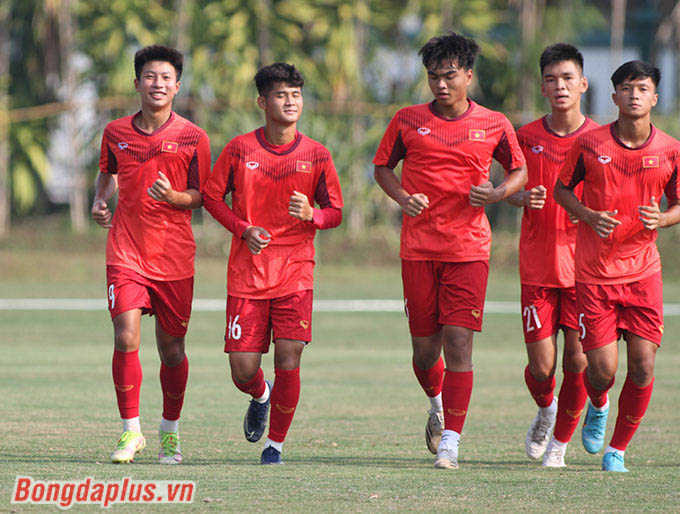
(357, 441)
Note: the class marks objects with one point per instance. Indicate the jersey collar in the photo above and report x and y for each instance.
(159, 129)
(277, 149)
(467, 112)
(615, 136)
(576, 132)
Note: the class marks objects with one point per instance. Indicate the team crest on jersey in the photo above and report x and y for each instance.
(251, 165)
(604, 159)
(303, 166)
(537, 149)
(423, 131)
(477, 135)
(122, 145)
(650, 161)
(304, 324)
(169, 146)
(476, 313)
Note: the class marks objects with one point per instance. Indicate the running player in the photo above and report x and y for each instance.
(447, 146)
(625, 166)
(274, 175)
(157, 161)
(546, 253)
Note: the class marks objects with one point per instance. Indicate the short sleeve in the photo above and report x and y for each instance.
(672, 189)
(199, 167)
(107, 158)
(328, 192)
(391, 149)
(573, 170)
(508, 151)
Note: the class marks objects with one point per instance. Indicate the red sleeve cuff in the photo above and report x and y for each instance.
(328, 217)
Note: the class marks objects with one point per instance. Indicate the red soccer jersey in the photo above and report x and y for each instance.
(443, 159)
(548, 238)
(616, 177)
(151, 237)
(261, 178)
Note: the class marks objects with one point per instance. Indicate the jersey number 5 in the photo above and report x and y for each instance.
(233, 328)
(531, 314)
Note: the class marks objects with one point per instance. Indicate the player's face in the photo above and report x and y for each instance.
(563, 84)
(635, 98)
(448, 82)
(157, 84)
(283, 104)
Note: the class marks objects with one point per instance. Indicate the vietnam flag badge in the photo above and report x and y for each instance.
(169, 146)
(303, 166)
(650, 161)
(477, 135)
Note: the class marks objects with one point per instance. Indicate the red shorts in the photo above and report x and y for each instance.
(443, 293)
(169, 301)
(607, 310)
(546, 309)
(250, 322)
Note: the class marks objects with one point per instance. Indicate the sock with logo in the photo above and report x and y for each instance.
(633, 402)
(572, 399)
(456, 392)
(255, 387)
(127, 379)
(284, 399)
(430, 379)
(598, 397)
(173, 384)
(541, 391)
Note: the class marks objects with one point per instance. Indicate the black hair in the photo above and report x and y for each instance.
(560, 52)
(636, 70)
(159, 53)
(448, 48)
(267, 76)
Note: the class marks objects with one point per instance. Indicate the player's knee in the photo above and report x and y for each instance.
(542, 373)
(574, 361)
(126, 340)
(641, 373)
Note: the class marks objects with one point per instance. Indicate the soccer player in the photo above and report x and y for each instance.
(274, 175)
(546, 253)
(625, 166)
(157, 161)
(447, 146)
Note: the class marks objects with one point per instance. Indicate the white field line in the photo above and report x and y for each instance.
(219, 305)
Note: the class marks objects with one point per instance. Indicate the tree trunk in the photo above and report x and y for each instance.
(69, 82)
(529, 17)
(4, 118)
(264, 31)
(618, 29)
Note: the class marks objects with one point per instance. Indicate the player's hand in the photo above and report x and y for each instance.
(603, 222)
(481, 195)
(257, 239)
(535, 197)
(101, 213)
(161, 190)
(650, 215)
(572, 218)
(415, 204)
(299, 207)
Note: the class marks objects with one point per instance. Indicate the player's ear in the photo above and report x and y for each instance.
(262, 102)
(584, 84)
(137, 85)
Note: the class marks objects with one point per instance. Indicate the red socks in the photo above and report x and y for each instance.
(633, 402)
(597, 397)
(456, 392)
(284, 399)
(542, 392)
(572, 399)
(255, 387)
(173, 385)
(431, 379)
(127, 379)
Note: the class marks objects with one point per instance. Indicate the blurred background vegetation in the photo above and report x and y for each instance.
(66, 69)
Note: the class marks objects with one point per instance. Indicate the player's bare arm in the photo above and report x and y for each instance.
(412, 204)
(485, 194)
(299, 207)
(162, 191)
(602, 222)
(105, 187)
(534, 198)
(652, 217)
(257, 239)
